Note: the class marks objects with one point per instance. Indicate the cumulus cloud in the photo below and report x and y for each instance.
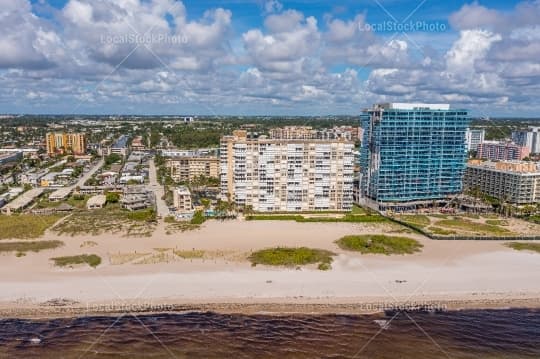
(117, 55)
(289, 40)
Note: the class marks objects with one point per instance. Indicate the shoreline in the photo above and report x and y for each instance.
(262, 306)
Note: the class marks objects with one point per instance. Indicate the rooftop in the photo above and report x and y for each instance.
(415, 106)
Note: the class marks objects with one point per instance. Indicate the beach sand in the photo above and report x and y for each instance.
(446, 274)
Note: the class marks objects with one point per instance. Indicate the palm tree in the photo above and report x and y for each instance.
(248, 210)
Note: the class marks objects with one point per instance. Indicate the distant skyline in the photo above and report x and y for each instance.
(267, 57)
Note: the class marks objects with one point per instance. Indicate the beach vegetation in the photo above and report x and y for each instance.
(418, 220)
(291, 257)
(441, 231)
(111, 219)
(92, 260)
(29, 246)
(25, 226)
(473, 227)
(379, 244)
(521, 246)
(192, 254)
(112, 197)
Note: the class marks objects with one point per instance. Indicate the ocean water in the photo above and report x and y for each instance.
(455, 334)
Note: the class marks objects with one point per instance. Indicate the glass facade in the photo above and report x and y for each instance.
(412, 155)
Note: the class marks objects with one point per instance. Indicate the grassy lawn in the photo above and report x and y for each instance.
(111, 219)
(358, 210)
(291, 257)
(416, 219)
(25, 226)
(29, 246)
(473, 227)
(379, 244)
(351, 218)
(519, 246)
(91, 259)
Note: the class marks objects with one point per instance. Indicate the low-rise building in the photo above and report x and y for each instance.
(515, 182)
(182, 199)
(22, 201)
(136, 198)
(189, 168)
(137, 144)
(96, 202)
(121, 147)
(502, 151)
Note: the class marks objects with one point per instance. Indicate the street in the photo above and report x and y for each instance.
(161, 206)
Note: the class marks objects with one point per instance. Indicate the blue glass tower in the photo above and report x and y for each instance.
(412, 154)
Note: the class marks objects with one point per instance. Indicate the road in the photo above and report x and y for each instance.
(89, 174)
(161, 206)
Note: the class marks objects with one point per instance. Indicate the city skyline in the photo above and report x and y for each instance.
(266, 57)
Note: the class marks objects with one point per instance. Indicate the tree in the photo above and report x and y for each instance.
(198, 218)
(112, 197)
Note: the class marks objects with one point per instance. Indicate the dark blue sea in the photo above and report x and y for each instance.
(454, 334)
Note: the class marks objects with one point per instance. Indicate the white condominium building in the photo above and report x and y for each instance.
(287, 175)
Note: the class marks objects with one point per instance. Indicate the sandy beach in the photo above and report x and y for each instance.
(138, 274)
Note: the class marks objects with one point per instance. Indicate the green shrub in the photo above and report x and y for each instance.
(379, 244)
(91, 259)
(289, 257)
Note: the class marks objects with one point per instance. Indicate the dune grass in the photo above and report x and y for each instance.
(520, 246)
(473, 227)
(29, 246)
(291, 257)
(25, 226)
(379, 244)
(111, 219)
(193, 254)
(91, 259)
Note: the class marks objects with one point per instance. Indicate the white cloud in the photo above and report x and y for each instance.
(289, 63)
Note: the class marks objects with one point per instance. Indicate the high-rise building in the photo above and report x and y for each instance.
(511, 181)
(287, 175)
(61, 143)
(529, 138)
(502, 151)
(412, 154)
(474, 137)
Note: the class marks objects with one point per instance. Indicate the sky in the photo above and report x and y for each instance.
(267, 57)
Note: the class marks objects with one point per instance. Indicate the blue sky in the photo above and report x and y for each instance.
(267, 56)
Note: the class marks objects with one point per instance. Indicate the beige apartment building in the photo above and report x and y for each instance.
(61, 143)
(182, 199)
(515, 182)
(287, 175)
(189, 168)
